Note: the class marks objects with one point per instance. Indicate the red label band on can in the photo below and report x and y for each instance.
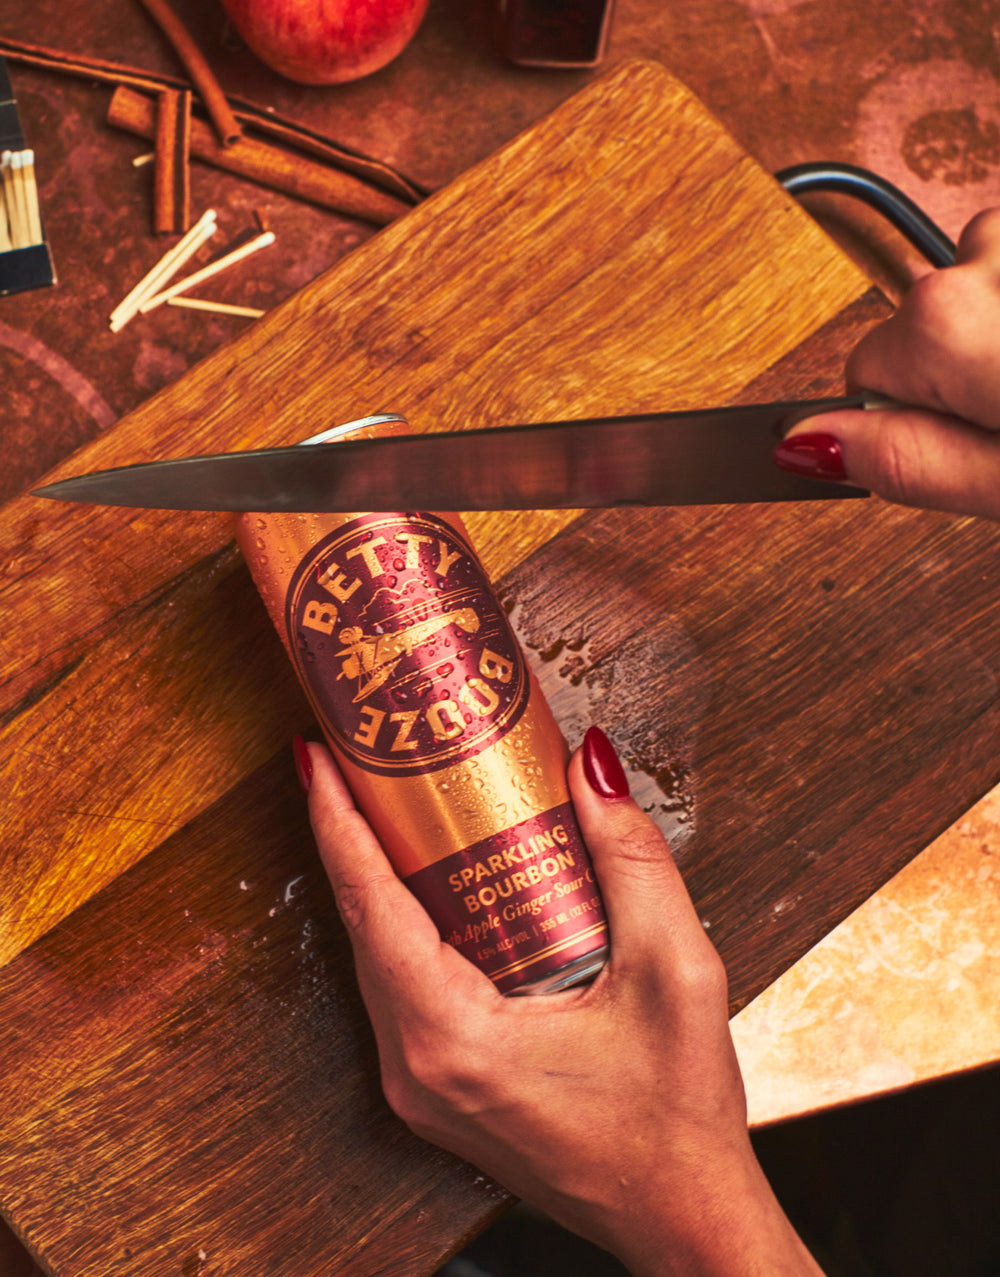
(441, 731)
(519, 901)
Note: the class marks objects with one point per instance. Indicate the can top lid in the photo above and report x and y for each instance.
(348, 427)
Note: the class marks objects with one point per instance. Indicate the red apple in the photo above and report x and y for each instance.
(325, 41)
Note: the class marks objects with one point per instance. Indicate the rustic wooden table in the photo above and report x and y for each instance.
(118, 997)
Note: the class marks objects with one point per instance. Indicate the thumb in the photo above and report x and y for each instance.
(650, 915)
(907, 455)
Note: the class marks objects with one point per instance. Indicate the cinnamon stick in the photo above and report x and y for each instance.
(82, 64)
(265, 164)
(261, 120)
(171, 186)
(218, 108)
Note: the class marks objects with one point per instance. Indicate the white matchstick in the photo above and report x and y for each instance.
(12, 199)
(165, 269)
(31, 196)
(217, 308)
(5, 241)
(21, 198)
(213, 268)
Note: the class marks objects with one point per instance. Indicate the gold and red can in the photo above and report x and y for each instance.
(439, 727)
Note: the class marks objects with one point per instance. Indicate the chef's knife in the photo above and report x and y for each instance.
(712, 456)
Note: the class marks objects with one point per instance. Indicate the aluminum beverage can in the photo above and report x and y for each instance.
(439, 727)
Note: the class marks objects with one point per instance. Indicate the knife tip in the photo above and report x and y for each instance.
(50, 492)
(68, 490)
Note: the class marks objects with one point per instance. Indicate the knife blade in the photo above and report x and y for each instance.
(706, 457)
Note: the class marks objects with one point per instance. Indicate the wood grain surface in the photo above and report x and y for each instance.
(190, 1085)
(804, 694)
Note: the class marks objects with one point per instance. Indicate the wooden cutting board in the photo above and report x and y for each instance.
(805, 695)
(622, 255)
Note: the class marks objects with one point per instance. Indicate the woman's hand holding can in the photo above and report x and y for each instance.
(618, 1108)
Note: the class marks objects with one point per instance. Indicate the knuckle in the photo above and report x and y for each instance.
(935, 353)
(644, 849)
(928, 294)
(890, 467)
(426, 1066)
(447, 1066)
(421, 1111)
(405, 1100)
(358, 899)
(981, 235)
(351, 904)
(430, 1077)
(700, 976)
(934, 309)
(897, 462)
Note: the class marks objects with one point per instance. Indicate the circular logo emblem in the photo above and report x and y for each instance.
(400, 639)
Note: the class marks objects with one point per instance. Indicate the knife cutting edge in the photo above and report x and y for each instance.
(706, 457)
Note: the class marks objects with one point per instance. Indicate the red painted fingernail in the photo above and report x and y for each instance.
(303, 763)
(815, 456)
(604, 772)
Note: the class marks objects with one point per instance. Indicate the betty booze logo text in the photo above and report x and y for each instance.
(400, 639)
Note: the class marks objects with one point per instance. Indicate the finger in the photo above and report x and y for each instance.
(938, 351)
(980, 240)
(650, 915)
(398, 951)
(905, 455)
